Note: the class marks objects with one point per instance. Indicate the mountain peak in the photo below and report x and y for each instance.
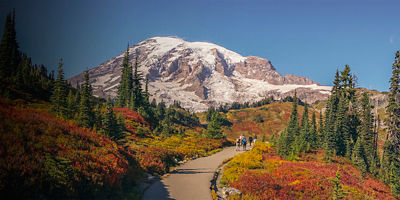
(201, 74)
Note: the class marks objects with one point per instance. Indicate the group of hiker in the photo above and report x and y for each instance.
(242, 142)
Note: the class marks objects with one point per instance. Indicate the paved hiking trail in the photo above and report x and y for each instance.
(190, 181)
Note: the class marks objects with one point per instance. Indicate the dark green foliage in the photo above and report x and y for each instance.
(160, 111)
(394, 177)
(313, 137)
(321, 130)
(301, 143)
(358, 156)
(112, 128)
(211, 110)
(126, 83)
(342, 120)
(390, 169)
(86, 114)
(368, 135)
(137, 96)
(338, 192)
(287, 137)
(9, 53)
(59, 97)
(214, 126)
(18, 77)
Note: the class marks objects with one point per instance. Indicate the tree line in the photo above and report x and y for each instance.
(348, 129)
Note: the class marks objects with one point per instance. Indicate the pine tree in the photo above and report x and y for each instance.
(214, 127)
(59, 97)
(146, 92)
(340, 127)
(358, 157)
(112, 128)
(287, 137)
(125, 86)
(390, 160)
(321, 129)
(71, 105)
(137, 87)
(302, 143)
(342, 120)
(338, 192)
(367, 134)
(86, 114)
(160, 111)
(9, 53)
(313, 138)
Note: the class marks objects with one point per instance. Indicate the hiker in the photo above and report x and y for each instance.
(250, 140)
(244, 143)
(238, 144)
(255, 139)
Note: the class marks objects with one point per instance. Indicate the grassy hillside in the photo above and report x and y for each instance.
(45, 157)
(262, 174)
(262, 121)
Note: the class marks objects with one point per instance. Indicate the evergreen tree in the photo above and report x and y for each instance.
(214, 127)
(367, 134)
(125, 86)
(59, 97)
(210, 111)
(342, 120)
(340, 127)
(71, 105)
(137, 87)
(390, 160)
(153, 103)
(9, 53)
(302, 140)
(86, 114)
(160, 111)
(112, 128)
(313, 138)
(321, 130)
(288, 136)
(338, 192)
(358, 157)
(146, 92)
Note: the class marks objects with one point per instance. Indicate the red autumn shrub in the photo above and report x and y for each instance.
(42, 156)
(281, 179)
(157, 160)
(131, 115)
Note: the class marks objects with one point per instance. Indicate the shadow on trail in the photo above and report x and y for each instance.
(190, 171)
(157, 191)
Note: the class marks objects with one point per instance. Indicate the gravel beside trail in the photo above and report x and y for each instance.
(190, 181)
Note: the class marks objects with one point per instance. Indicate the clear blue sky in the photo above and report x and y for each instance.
(302, 37)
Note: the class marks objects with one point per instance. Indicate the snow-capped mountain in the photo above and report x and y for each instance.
(201, 74)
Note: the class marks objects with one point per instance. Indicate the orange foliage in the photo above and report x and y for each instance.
(307, 180)
(131, 115)
(41, 154)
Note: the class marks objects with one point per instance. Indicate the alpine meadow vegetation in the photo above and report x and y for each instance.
(61, 142)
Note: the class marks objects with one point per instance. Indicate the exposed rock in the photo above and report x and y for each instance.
(229, 191)
(201, 74)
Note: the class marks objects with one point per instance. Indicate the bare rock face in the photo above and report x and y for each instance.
(201, 74)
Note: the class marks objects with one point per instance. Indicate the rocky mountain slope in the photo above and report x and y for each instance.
(201, 74)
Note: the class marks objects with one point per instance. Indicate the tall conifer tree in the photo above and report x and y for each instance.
(125, 86)
(367, 134)
(59, 97)
(137, 87)
(86, 114)
(287, 136)
(390, 170)
(9, 53)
